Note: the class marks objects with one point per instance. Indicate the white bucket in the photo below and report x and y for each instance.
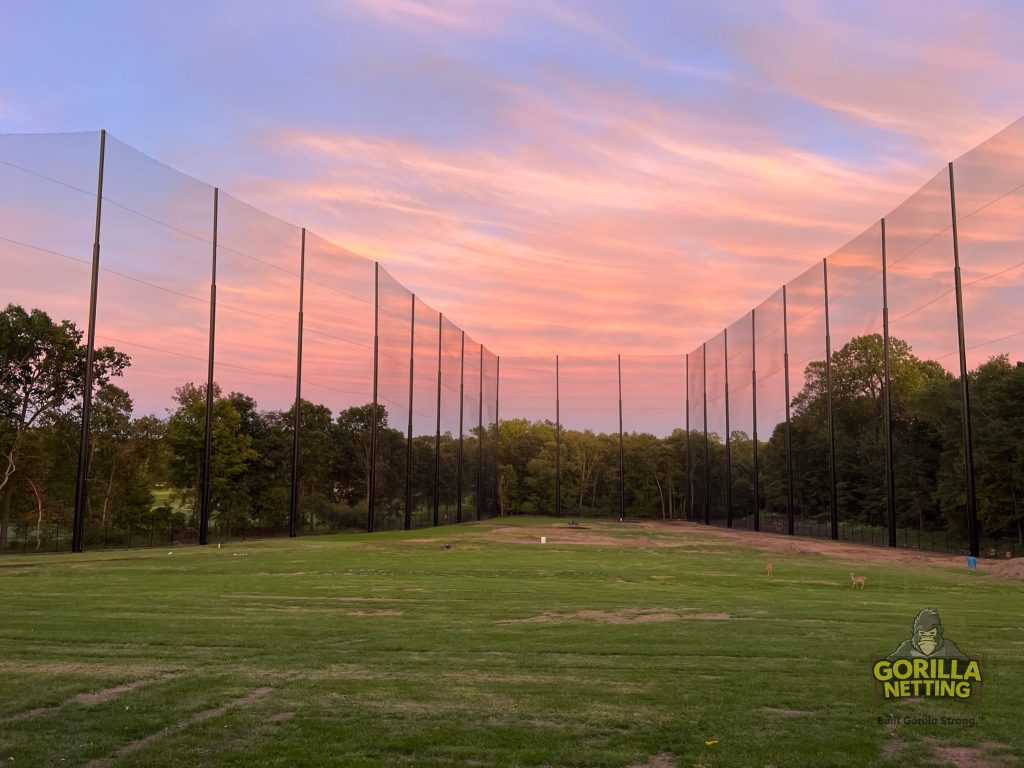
(543, 539)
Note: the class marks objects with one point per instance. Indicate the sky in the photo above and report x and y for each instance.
(573, 178)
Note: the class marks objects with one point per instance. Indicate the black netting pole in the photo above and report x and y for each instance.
(497, 434)
(437, 432)
(789, 423)
(462, 412)
(558, 447)
(293, 509)
(82, 480)
(965, 396)
(687, 463)
(371, 490)
(206, 479)
(622, 453)
(728, 437)
(753, 395)
(830, 418)
(480, 442)
(890, 474)
(408, 435)
(707, 464)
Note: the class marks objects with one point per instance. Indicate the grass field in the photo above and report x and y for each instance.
(611, 645)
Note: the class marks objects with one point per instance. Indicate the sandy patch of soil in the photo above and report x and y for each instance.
(985, 755)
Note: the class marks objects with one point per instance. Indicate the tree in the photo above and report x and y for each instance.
(42, 375)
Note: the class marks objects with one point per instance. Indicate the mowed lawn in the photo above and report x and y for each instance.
(611, 645)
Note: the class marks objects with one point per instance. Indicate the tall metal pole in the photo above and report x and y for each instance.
(293, 511)
(622, 453)
(965, 396)
(437, 433)
(375, 416)
(207, 480)
(707, 464)
(830, 419)
(408, 436)
(688, 464)
(728, 436)
(497, 432)
(462, 410)
(558, 447)
(480, 442)
(84, 448)
(789, 424)
(890, 474)
(753, 394)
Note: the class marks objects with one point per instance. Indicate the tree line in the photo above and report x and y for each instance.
(145, 470)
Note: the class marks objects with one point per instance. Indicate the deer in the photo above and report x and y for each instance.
(857, 580)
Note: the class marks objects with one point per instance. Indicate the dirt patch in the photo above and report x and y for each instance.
(385, 612)
(622, 616)
(86, 699)
(892, 746)
(664, 760)
(209, 714)
(783, 712)
(1004, 569)
(984, 755)
(795, 545)
(99, 697)
(281, 717)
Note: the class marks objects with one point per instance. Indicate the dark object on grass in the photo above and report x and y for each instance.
(446, 546)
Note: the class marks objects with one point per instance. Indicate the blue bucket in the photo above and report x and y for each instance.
(972, 561)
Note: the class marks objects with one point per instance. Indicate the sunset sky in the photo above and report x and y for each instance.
(583, 178)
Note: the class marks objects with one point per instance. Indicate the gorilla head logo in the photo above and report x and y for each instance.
(926, 640)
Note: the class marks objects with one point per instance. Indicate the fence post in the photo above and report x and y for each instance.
(789, 424)
(204, 490)
(890, 474)
(82, 479)
(293, 510)
(408, 436)
(371, 491)
(965, 396)
(687, 463)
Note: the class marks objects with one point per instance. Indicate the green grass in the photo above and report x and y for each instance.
(386, 650)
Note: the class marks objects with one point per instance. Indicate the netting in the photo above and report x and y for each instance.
(258, 260)
(855, 315)
(467, 505)
(696, 445)
(989, 183)
(489, 436)
(654, 440)
(426, 361)
(718, 490)
(451, 415)
(394, 334)
(772, 438)
(740, 337)
(337, 389)
(805, 329)
(47, 219)
(924, 365)
(153, 303)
